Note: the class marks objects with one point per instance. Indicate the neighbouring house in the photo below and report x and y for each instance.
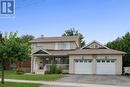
(94, 58)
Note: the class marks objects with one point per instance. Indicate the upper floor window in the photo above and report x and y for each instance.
(66, 45)
(57, 46)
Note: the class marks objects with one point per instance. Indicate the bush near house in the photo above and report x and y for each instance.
(54, 69)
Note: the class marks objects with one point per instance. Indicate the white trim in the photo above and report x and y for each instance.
(42, 50)
(96, 42)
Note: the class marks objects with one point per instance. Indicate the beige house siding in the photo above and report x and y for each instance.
(118, 67)
(51, 45)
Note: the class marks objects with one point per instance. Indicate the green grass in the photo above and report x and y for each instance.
(47, 77)
(129, 76)
(18, 85)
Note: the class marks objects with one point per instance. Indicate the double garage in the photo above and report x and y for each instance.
(103, 66)
(95, 64)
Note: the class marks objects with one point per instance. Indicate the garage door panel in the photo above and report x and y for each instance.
(83, 67)
(105, 67)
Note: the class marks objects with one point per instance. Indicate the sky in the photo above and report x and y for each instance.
(101, 20)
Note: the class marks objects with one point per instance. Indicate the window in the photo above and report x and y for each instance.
(76, 60)
(85, 61)
(98, 61)
(65, 60)
(66, 45)
(57, 46)
(89, 61)
(112, 61)
(48, 60)
(108, 61)
(58, 60)
(80, 60)
(103, 61)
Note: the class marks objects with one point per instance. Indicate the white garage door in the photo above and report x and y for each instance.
(83, 66)
(105, 66)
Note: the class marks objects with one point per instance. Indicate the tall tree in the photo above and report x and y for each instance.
(2, 57)
(73, 32)
(12, 48)
(26, 38)
(122, 44)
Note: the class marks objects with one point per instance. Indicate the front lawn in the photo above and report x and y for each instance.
(129, 76)
(47, 77)
(18, 85)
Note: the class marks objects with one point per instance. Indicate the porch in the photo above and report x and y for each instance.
(40, 64)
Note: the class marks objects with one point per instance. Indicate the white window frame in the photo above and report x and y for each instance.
(66, 45)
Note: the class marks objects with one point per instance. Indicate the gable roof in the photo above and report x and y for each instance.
(96, 51)
(92, 42)
(53, 53)
(40, 51)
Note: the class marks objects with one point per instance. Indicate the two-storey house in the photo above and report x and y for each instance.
(66, 52)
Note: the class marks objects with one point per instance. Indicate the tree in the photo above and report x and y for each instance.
(26, 38)
(122, 44)
(13, 48)
(73, 32)
(2, 58)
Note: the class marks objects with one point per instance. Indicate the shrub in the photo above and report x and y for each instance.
(20, 72)
(54, 69)
(47, 72)
(58, 70)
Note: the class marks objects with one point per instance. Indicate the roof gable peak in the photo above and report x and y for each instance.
(40, 51)
(94, 45)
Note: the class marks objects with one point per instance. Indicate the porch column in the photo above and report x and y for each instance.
(33, 64)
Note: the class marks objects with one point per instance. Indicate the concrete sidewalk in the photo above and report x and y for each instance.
(59, 83)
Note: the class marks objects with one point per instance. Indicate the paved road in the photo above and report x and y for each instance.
(94, 81)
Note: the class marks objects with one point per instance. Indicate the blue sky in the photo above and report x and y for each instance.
(101, 20)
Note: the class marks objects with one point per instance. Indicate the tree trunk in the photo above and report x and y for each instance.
(7, 64)
(2, 65)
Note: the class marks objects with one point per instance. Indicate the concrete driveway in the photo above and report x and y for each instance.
(97, 79)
